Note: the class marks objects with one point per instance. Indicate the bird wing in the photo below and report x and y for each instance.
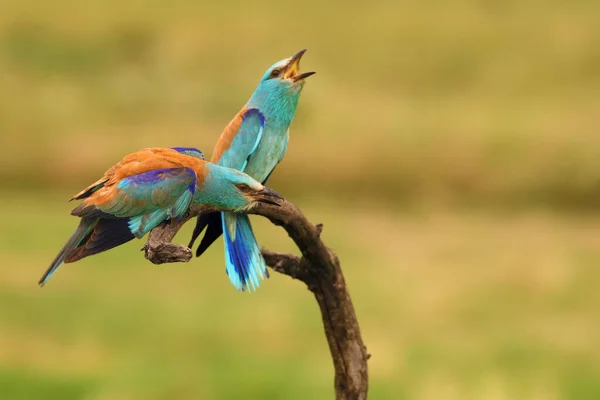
(245, 141)
(285, 143)
(146, 199)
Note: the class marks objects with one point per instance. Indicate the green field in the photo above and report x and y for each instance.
(451, 148)
(452, 306)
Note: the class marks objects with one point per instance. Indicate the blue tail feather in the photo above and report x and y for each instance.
(245, 265)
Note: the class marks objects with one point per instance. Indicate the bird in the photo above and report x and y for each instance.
(254, 141)
(148, 187)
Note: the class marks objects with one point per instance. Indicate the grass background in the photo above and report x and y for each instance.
(451, 149)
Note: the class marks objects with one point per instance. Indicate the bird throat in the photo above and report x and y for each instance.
(277, 102)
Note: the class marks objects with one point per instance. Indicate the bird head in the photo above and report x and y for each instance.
(233, 190)
(279, 89)
(287, 72)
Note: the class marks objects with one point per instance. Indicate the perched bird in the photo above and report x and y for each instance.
(254, 142)
(148, 187)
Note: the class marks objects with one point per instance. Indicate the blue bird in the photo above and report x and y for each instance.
(255, 141)
(146, 188)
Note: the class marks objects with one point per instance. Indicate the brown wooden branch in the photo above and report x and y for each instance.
(318, 267)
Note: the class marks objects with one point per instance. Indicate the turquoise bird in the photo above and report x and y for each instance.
(148, 187)
(254, 142)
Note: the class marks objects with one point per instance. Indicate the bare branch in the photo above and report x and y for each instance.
(318, 267)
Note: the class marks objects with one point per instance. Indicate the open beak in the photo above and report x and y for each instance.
(293, 68)
(268, 196)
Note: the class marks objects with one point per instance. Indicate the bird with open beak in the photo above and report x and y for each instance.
(254, 142)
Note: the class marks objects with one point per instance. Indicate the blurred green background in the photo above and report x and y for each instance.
(451, 148)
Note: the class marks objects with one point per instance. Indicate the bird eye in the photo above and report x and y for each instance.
(275, 73)
(243, 187)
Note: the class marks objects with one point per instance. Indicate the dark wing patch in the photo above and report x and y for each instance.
(87, 192)
(90, 211)
(107, 233)
(214, 229)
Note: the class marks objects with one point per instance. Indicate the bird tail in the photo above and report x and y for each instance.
(244, 262)
(92, 236)
(86, 226)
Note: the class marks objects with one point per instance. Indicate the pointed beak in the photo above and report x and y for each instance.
(293, 68)
(268, 196)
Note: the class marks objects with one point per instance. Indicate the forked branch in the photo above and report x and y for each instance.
(318, 267)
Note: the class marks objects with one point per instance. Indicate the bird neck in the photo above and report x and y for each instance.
(277, 102)
(218, 191)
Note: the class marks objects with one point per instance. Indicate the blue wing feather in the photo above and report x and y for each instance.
(156, 196)
(189, 151)
(246, 141)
